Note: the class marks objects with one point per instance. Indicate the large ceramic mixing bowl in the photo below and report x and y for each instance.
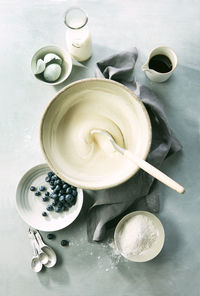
(74, 112)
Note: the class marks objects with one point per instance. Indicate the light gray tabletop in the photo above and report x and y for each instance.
(83, 268)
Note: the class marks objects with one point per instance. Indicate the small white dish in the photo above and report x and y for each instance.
(30, 207)
(66, 63)
(151, 252)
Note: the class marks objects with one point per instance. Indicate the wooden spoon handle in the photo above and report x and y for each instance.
(147, 167)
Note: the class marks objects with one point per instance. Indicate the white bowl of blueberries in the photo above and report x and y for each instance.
(46, 202)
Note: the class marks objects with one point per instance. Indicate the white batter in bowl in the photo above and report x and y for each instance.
(90, 162)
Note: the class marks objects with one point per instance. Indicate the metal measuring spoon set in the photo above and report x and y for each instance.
(42, 253)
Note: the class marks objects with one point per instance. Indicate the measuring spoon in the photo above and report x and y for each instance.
(36, 264)
(48, 250)
(43, 257)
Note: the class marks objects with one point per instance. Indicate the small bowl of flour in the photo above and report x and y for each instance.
(139, 236)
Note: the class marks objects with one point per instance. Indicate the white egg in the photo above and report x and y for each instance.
(52, 72)
(40, 66)
(52, 57)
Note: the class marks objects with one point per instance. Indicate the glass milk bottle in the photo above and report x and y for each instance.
(78, 35)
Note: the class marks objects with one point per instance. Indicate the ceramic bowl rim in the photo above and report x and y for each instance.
(169, 49)
(59, 51)
(19, 208)
(133, 214)
(148, 145)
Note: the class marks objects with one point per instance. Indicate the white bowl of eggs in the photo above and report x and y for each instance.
(51, 65)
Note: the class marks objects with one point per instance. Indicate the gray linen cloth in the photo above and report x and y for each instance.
(110, 203)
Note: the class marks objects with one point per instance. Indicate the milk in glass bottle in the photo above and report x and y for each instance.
(78, 36)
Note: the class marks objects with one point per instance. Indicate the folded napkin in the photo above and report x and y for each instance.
(110, 203)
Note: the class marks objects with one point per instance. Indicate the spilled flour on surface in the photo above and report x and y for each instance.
(105, 256)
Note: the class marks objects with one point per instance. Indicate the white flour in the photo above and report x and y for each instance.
(138, 235)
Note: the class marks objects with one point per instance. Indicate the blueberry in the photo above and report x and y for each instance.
(47, 179)
(50, 174)
(54, 196)
(65, 186)
(51, 183)
(62, 191)
(74, 193)
(69, 190)
(50, 236)
(74, 201)
(42, 188)
(54, 203)
(66, 198)
(62, 198)
(64, 243)
(60, 204)
(58, 182)
(47, 193)
(72, 198)
(57, 209)
(49, 208)
(37, 193)
(54, 177)
(69, 198)
(70, 204)
(66, 205)
(45, 198)
(57, 187)
(44, 214)
(32, 188)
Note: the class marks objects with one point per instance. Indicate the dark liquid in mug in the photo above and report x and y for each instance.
(160, 63)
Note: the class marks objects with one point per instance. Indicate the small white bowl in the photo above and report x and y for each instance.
(156, 247)
(66, 63)
(30, 207)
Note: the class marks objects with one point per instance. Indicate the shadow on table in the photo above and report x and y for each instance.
(81, 219)
(86, 69)
(59, 273)
(48, 277)
(76, 74)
